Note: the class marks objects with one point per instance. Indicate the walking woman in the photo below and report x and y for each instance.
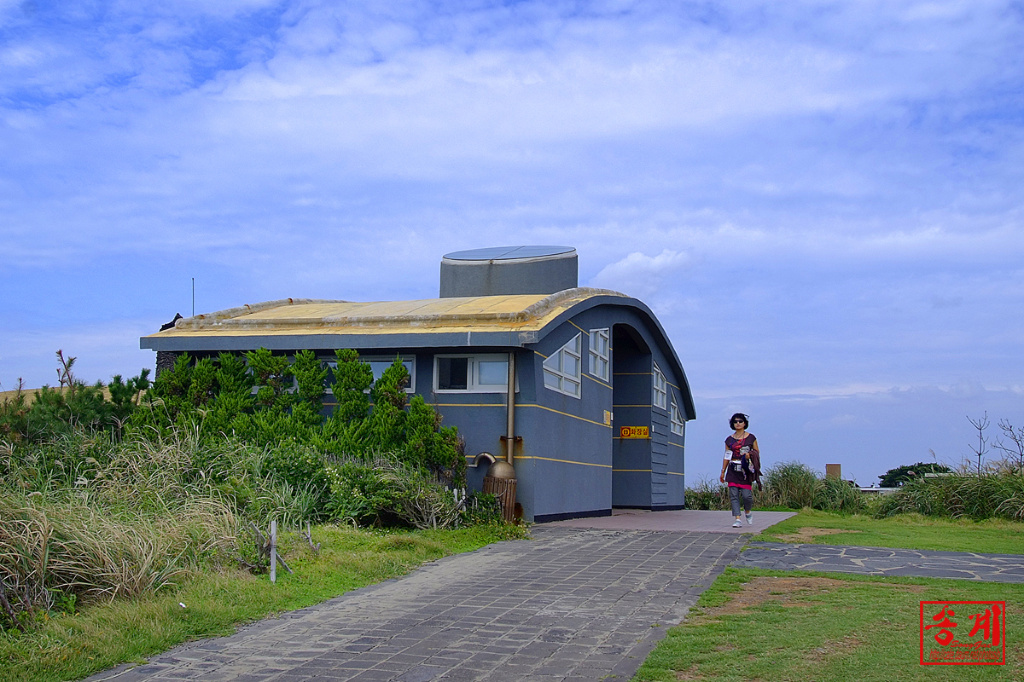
(741, 467)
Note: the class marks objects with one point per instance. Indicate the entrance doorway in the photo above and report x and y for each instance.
(631, 406)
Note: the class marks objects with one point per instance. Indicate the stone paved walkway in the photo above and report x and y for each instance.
(1002, 568)
(583, 601)
(571, 605)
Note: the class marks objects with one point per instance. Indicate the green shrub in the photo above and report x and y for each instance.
(215, 397)
(301, 466)
(358, 493)
(481, 509)
(386, 491)
(14, 415)
(894, 478)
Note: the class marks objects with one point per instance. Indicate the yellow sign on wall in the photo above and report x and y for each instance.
(634, 432)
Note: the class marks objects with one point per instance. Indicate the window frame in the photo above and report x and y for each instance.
(554, 366)
(677, 423)
(659, 387)
(596, 356)
(473, 384)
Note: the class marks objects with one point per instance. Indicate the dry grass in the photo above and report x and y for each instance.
(786, 591)
(808, 534)
(52, 549)
(30, 393)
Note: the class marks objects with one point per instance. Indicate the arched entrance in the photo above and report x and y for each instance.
(631, 406)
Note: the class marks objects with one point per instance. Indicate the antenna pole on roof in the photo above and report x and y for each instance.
(193, 297)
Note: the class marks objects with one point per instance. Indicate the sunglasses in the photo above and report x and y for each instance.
(738, 421)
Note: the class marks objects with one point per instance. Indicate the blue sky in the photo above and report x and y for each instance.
(822, 201)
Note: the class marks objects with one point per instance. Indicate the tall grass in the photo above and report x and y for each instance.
(787, 484)
(156, 475)
(791, 484)
(85, 518)
(999, 495)
(707, 495)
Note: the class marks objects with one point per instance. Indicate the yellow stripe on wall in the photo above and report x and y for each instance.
(518, 405)
(567, 461)
(564, 414)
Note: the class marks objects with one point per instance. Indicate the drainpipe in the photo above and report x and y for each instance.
(510, 435)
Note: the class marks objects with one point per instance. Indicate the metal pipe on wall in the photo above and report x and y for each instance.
(510, 434)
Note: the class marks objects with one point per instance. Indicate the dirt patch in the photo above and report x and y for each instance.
(763, 589)
(690, 673)
(782, 590)
(833, 649)
(808, 534)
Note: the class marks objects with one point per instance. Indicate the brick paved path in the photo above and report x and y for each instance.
(571, 605)
(1002, 568)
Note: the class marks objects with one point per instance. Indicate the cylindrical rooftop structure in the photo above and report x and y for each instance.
(505, 270)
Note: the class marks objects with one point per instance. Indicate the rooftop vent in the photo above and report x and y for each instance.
(503, 270)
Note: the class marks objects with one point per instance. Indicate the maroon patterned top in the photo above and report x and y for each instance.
(744, 461)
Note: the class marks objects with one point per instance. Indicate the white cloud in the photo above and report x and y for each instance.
(641, 275)
(819, 200)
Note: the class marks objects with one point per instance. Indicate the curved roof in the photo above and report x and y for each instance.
(496, 322)
(288, 317)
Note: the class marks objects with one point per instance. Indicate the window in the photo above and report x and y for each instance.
(599, 354)
(659, 397)
(678, 425)
(471, 373)
(380, 363)
(562, 371)
(453, 374)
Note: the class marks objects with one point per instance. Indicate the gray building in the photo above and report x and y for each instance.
(594, 416)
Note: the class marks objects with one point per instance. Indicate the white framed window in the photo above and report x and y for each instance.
(471, 373)
(659, 388)
(600, 354)
(678, 426)
(563, 370)
(379, 363)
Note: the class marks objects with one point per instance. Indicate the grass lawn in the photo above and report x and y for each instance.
(774, 625)
(101, 636)
(771, 625)
(908, 531)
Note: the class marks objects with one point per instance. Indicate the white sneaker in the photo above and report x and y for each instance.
(750, 519)
(737, 524)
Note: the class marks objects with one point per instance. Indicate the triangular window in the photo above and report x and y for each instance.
(562, 370)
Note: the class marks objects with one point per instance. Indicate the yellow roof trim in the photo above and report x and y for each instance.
(524, 312)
